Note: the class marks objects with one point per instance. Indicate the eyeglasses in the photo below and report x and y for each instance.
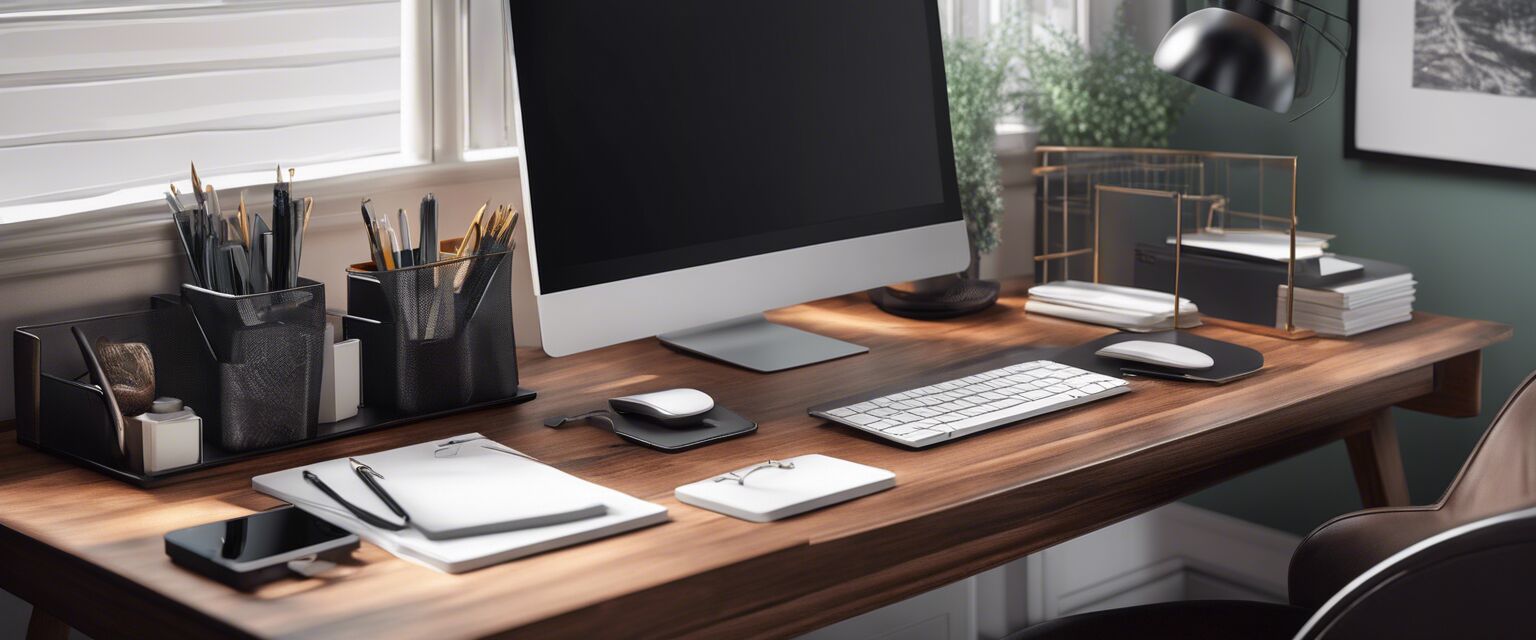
(741, 476)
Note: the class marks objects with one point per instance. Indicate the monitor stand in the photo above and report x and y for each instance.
(752, 342)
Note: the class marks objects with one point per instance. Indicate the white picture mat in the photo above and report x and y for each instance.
(1391, 116)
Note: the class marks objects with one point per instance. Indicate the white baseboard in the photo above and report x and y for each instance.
(1177, 552)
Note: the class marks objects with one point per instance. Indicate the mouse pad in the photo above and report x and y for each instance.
(1232, 361)
(718, 424)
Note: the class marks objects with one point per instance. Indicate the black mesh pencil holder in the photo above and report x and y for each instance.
(268, 350)
(435, 337)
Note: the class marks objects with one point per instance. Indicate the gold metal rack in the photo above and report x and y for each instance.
(1230, 191)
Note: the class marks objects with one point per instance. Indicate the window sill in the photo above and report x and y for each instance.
(43, 243)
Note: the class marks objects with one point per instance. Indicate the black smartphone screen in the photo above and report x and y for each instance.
(257, 536)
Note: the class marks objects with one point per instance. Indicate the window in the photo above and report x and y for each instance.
(103, 102)
(101, 96)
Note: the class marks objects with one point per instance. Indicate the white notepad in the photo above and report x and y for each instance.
(774, 493)
(522, 487)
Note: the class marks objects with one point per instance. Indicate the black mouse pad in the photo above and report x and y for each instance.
(718, 424)
(1232, 361)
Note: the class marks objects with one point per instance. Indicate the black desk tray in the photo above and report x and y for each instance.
(60, 411)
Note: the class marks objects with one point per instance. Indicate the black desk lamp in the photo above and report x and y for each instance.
(1250, 50)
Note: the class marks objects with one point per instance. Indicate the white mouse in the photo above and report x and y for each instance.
(1158, 353)
(673, 407)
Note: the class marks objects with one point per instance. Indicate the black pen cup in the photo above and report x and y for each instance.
(268, 353)
(435, 337)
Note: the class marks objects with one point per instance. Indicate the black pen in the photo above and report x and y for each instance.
(368, 474)
(356, 511)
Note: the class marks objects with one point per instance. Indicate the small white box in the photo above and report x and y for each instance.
(340, 380)
(159, 442)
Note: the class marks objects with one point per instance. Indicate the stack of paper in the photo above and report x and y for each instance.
(1126, 308)
(1265, 245)
(1382, 296)
(461, 488)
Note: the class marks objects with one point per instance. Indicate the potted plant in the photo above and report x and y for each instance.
(977, 71)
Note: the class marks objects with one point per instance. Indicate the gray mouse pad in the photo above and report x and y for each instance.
(717, 424)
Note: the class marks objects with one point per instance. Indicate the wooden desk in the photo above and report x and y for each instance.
(89, 550)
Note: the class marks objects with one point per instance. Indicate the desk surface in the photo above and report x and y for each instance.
(89, 549)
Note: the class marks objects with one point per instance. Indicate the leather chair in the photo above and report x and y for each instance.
(1464, 566)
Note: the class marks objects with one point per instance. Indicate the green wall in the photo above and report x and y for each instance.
(1470, 239)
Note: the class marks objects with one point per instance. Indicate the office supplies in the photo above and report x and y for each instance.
(1381, 295)
(476, 486)
(406, 257)
(341, 381)
(673, 407)
(1127, 308)
(362, 514)
(99, 378)
(236, 254)
(929, 414)
(1187, 194)
(167, 437)
(778, 489)
(690, 260)
(1157, 353)
(428, 229)
(713, 426)
(1086, 469)
(1272, 246)
(250, 551)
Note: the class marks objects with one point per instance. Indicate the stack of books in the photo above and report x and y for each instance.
(1125, 308)
(1382, 295)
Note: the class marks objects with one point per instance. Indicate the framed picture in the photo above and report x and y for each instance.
(1443, 81)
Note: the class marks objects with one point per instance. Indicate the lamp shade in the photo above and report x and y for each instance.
(1231, 54)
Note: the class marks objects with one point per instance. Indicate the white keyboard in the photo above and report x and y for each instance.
(957, 408)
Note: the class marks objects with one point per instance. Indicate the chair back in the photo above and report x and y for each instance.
(1499, 477)
(1473, 581)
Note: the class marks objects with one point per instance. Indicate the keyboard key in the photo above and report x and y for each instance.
(976, 411)
(861, 419)
(900, 430)
(880, 426)
(841, 412)
(863, 406)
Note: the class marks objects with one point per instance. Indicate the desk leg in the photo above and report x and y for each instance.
(1377, 461)
(43, 626)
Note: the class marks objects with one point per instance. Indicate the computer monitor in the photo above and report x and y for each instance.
(688, 164)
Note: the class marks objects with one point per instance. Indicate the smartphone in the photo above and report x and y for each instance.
(250, 551)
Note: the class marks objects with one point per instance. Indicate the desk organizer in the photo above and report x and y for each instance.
(267, 350)
(250, 366)
(435, 337)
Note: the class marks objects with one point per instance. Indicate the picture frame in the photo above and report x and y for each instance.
(1428, 110)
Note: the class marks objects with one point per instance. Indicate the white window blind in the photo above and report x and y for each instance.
(99, 95)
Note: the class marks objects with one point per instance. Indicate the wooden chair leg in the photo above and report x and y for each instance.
(1377, 461)
(43, 626)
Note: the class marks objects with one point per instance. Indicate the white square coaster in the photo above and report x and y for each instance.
(766, 492)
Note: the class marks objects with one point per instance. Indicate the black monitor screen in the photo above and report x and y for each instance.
(666, 134)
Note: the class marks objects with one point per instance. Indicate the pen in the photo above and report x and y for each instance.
(361, 514)
(429, 229)
(405, 259)
(368, 474)
(375, 247)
